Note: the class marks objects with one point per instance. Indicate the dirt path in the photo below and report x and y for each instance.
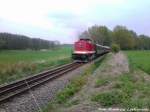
(118, 64)
(113, 66)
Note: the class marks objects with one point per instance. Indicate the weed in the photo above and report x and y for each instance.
(108, 99)
(127, 84)
(100, 82)
(72, 102)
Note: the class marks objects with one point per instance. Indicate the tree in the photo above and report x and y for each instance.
(2, 43)
(123, 37)
(144, 42)
(100, 34)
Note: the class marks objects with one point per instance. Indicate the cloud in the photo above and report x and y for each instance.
(63, 20)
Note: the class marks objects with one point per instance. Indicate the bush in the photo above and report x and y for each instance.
(115, 48)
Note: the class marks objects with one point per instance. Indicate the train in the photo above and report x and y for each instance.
(86, 50)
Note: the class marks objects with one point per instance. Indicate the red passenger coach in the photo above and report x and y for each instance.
(84, 49)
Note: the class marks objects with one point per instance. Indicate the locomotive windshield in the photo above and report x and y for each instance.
(88, 40)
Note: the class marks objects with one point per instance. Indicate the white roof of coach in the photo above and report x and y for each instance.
(103, 46)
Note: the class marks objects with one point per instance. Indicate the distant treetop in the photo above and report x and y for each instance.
(14, 42)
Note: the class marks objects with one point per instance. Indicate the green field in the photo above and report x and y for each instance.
(139, 59)
(15, 64)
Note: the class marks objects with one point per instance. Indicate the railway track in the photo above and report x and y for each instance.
(9, 91)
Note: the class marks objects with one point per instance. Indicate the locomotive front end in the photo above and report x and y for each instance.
(84, 50)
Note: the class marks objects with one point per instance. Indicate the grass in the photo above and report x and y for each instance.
(108, 99)
(127, 92)
(139, 59)
(71, 89)
(16, 64)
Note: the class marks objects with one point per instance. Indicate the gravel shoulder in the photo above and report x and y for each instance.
(37, 98)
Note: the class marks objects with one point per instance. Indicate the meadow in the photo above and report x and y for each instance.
(16, 64)
(139, 60)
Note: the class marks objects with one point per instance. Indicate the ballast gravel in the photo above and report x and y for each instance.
(37, 98)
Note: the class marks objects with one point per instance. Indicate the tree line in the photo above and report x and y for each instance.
(20, 42)
(120, 35)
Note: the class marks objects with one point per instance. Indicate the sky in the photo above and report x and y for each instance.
(64, 20)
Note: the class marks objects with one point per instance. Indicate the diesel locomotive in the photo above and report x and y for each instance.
(86, 50)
